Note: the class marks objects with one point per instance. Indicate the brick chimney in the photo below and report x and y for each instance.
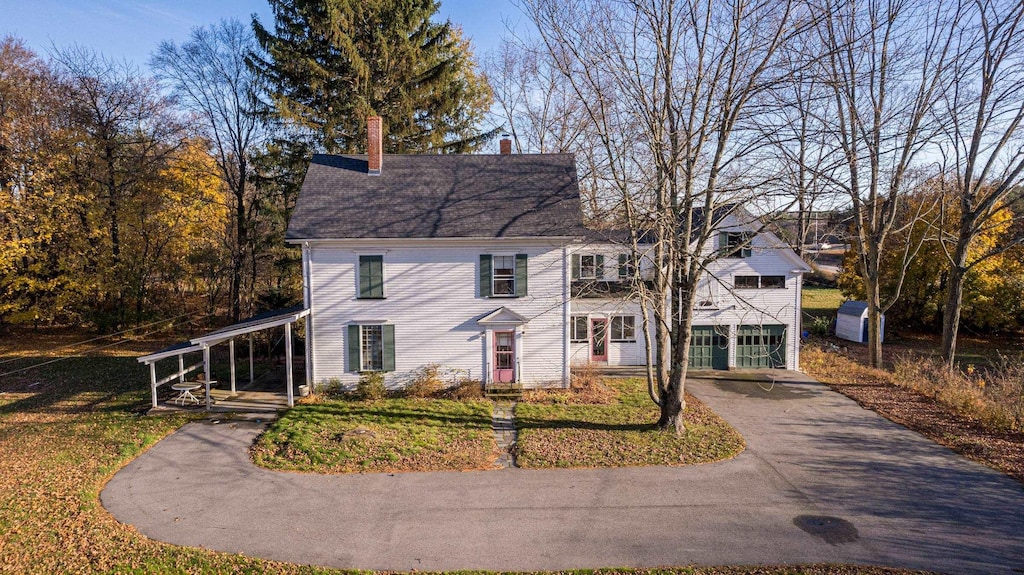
(374, 146)
(505, 145)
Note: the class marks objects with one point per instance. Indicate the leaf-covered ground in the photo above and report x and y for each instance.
(389, 435)
(617, 432)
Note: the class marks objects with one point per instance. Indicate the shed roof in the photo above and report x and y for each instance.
(179, 348)
(855, 308)
(439, 196)
(265, 320)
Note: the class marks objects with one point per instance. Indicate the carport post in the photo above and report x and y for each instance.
(250, 358)
(206, 374)
(231, 348)
(288, 361)
(152, 380)
(181, 368)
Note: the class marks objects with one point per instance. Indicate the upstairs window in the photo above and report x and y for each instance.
(587, 266)
(503, 275)
(746, 282)
(371, 277)
(627, 267)
(735, 244)
(759, 282)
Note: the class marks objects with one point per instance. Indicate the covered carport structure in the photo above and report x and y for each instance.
(268, 320)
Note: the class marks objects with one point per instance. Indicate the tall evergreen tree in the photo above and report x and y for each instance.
(328, 64)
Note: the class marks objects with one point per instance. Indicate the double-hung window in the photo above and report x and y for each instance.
(371, 277)
(503, 275)
(578, 329)
(587, 267)
(371, 347)
(624, 328)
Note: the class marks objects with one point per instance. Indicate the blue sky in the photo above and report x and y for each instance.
(131, 29)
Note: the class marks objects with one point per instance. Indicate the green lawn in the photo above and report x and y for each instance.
(619, 433)
(340, 436)
(821, 302)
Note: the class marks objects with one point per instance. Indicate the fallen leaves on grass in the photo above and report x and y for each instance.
(619, 434)
(392, 435)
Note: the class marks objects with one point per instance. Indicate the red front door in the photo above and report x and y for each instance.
(504, 356)
(598, 339)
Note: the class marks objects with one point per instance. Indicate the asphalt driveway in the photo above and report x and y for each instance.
(822, 480)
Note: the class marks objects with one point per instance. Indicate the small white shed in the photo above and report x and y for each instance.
(852, 322)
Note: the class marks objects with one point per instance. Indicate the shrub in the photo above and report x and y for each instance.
(371, 386)
(994, 396)
(426, 382)
(820, 326)
(331, 389)
(585, 387)
(466, 389)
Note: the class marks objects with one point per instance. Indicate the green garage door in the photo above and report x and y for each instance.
(761, 346)
(709, 349)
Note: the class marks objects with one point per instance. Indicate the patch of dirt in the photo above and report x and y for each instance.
(873, 390)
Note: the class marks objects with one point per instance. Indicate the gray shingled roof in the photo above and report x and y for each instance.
(439, 196)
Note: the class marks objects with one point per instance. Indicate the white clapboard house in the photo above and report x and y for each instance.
(481, 265)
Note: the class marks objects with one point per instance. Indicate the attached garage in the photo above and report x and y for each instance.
(709, 348)
(761, 346)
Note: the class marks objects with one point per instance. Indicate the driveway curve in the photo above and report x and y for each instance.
(821, 480)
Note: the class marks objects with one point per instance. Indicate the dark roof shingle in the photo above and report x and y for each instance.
(439, 196)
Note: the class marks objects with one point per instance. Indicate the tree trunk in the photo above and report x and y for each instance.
(874, 322)
(241, 240)
(953, 303)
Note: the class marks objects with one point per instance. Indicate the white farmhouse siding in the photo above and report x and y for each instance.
(772, 306)
(432, 300)
(619, 352)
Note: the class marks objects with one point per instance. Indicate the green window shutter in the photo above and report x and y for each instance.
(723, 244)
(599, 267)
(485, 275)
(371, 276)
(389, 347)
(575, 266)
(521, 275)
(623, 271)
(354, 362)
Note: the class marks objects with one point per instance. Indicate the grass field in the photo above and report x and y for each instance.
(618, 432)
(821, 302)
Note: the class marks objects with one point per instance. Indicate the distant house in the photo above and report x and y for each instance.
(481, 264)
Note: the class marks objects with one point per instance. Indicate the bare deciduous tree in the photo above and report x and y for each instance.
(209, 76)
(672, 90)
(982, 143)
(887, 63)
